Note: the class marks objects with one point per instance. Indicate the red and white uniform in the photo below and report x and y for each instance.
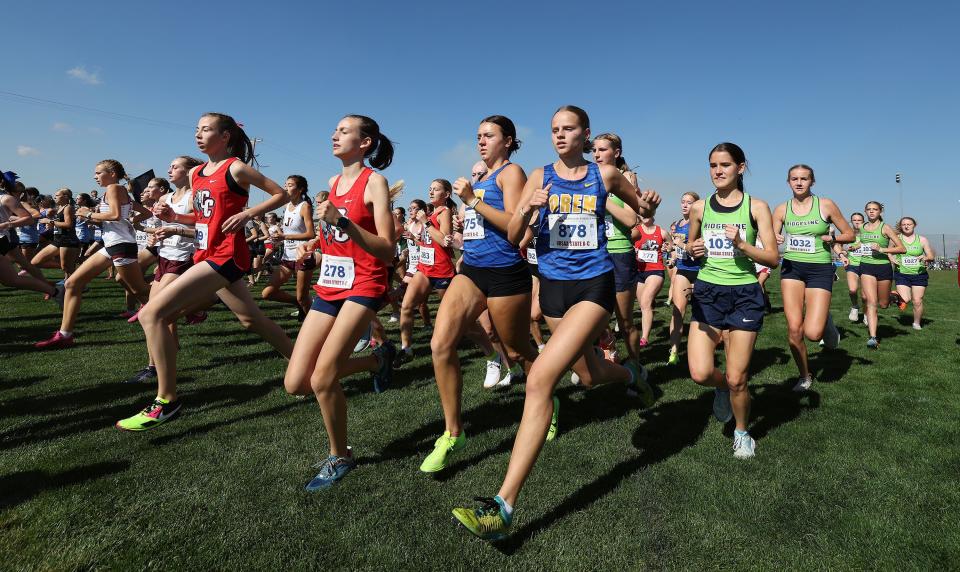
(217, 197)
(649, 249)
(436, 261)
(346, 269)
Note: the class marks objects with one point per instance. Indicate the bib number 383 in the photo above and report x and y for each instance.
(336, 272)
(576, 231)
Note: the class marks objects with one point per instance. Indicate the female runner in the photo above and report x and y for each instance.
(297, 229)
(357, 242)
(568, 198)
(649, 240)
(850, 255)
(911, 276)
(802, 226)
(12, 216)
(493, 277)
(683, 279)
(113, 215)
(221, 188)
(727, 301)
(876, 273)
(64, 246)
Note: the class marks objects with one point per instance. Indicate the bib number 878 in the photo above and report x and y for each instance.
(572, 230)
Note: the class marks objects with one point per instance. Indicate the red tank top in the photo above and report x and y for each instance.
(435, 260)
(649, 249)
(348, 270)
(217, 197)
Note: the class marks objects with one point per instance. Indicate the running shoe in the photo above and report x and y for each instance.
(160, 411)
(917, 326)
(445, 444)
(873, 344)
(403, 356)
(489, 522)
(514, 375)
(554, 419)
(136, 316)
(803, 384)
(394, 318)
(644, 343)
(195, 318)
(902, 305)
(674, 358)
(332, 469)
(638, 386)
(364, 340)
(722, 409)
(126, 314)
(296, 313)
(574, 378)
(58, 295)
(831, 335)
(493, 374)
(744, 447)
(143, 375)
(854, 315)
(58, 341)
(386, 354)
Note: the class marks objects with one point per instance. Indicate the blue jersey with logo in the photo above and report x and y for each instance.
(571, 242)
(684, 260)
(484, 245)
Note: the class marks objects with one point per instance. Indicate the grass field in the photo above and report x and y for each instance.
(862, 472)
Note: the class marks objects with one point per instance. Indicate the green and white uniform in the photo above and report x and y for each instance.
(802, 240)
(876, 235)
(911, 261)
(725, 264)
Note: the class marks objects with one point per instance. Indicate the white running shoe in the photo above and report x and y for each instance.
(803, 384)
(364, 341)
(831, 335)
(574, 378)
(917, 326)
(493, 374)
(865, 322)
(744, 447)
(854, 315)
(394, 318)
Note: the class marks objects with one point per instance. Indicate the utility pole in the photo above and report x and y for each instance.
(900, 189)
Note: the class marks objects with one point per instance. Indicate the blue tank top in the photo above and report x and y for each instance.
(684, 260)
(29, 234)
(484, 245)
(571, 242)
(84, 232)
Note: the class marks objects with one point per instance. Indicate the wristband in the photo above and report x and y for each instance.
(474, 202)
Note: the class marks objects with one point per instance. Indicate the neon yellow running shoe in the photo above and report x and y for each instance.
(489, 522)
(152, 415)
(674, 358)
(638, 386)
(444, 445)
(552, 431)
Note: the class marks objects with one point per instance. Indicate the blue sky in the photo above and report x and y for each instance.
(858, 90)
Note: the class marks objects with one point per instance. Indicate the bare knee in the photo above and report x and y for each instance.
(442, 345)
(701, 376)
(539, 387)
(266, 293)
(813, 333)
(322, 380)
(737, 382)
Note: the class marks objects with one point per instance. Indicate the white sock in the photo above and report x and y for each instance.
(65, 333)
(506, 506)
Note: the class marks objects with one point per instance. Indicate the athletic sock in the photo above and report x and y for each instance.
(504, 505)
(66, 334)
(740, 433)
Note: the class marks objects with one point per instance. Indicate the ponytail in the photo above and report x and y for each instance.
(380, 154)
(239, 144)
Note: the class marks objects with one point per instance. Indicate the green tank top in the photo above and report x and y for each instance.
(618, 235)
(876, 235)
(911, 261)
(724, 264)
(801, 235)
(854, 250)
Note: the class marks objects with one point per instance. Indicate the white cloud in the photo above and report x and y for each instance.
(27, 151)
(62, 127)
(81, 73)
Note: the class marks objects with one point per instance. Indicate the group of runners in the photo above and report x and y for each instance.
(569, 244)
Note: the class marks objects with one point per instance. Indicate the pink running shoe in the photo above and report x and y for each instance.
(196, 318)
(644, 343)
(136, 316)
(58, 341)
(126, 314)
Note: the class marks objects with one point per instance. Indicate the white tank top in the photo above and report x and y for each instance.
(141, 235)
(4, 217)
(178, 247)
(413, 256)
(117, 231)
(293, 223)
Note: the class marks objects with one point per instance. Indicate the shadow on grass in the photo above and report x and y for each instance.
(666, 430)
(833, 365)
(775, 405)
(208, 427)
(20, 487)
(17, 383)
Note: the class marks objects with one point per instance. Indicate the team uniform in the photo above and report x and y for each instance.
(855, 253)
(84, 233)
(875, 263)
(530, 254)
(489, 260)
(649, 262)
(805, 256)
(727, 295)
(6, 237)
(293, 223)
(621, 251)
(217, 197)
(687, 265)
(911, 268)
(413, 257)
(28, 236)
(572, 257)
(64, 237)
(175, 253)
(119, 240)
(435, 260)
(348, 272)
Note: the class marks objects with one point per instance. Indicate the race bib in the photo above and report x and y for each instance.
(472, 225)
(799, 243)
(911, 261)
(290, 245)
(141, 237)
(608, 220)
(98, 233)
(574, 231)
(531, 255)
(336, 272)
(201, 236)
(719, 246)
(862, 250)
(647, 256)
(426, 256)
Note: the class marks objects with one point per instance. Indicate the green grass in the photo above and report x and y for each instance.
(860, 473)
